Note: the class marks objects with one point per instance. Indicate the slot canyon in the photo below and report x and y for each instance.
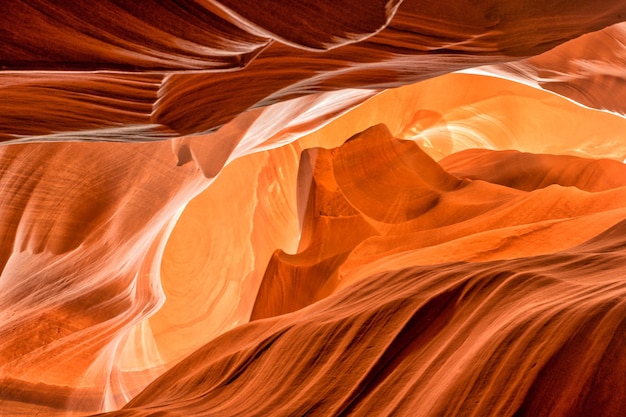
(276, 208)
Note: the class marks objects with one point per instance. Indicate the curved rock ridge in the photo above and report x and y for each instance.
(155, 70)
(377, 202)
(578, 69)
(527, 172)
(218, 35)
(536, 336)
(64, 102)
(83, 229)
(185, 228)
(112, 35)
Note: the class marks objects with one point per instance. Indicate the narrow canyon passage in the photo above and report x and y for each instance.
(254, 208)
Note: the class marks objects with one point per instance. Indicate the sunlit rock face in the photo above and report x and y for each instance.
(243, 208)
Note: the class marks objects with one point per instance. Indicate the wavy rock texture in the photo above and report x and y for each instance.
(242, 208)
(580, 69)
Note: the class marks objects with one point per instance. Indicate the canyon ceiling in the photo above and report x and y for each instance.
(279, 208)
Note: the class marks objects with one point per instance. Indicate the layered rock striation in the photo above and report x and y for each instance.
(272, 208)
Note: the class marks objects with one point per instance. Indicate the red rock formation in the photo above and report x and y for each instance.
(402, 209)
(527, 172)
(533, 336)
(235, 245)
(587, 69)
